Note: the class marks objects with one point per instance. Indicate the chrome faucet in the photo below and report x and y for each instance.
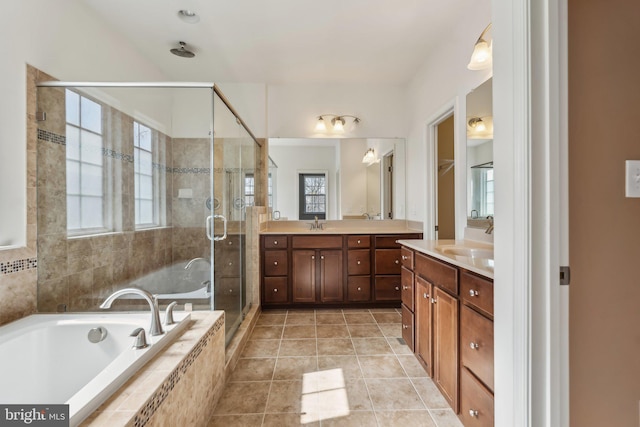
(190, 263)
(366, 215)
(489, 229)
(156, 327)
(316, 225)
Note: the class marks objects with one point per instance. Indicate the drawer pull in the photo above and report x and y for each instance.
(474, 345)
(397, 261)
(230, 243)
(433, 301)
(473, 413)
(473, 293)
(359, 288)
(358, 262)
(275, 290)
(404, 257)
(358, 241)
(275, 262)
(313, 257)
(397, 288)
(425, 295)
(321, 256)
(275, 242)
(405, 327)
(404, 288)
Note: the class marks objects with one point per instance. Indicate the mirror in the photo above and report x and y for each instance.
(352, 189)
(480, 194)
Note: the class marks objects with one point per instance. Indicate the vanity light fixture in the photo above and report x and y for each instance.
(477, 124)
(481, 58)
(369, 156)
(338, 122)
(188, 16)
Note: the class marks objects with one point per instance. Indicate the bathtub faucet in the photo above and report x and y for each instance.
(190, 263)
(156, 327)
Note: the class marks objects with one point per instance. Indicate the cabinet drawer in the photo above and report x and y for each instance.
(275, 242)
(359, 241)
(275, 263)
(388, 261)
(477, 291)
(407, 327)
(389, 240)
(476, 402)
(359, 261)
(359, 288)
(316, 242)
(227, 263)
(406, 279)
(406, 256)
(476, 344)
(436, 272)
(388, 288)
(275, 290)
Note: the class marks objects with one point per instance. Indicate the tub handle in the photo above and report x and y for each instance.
(141, 339)
(96, 335)
(168, 314)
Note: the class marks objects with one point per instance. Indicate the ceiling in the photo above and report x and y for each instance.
(285, 41)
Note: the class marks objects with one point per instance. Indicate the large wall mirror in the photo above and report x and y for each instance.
(330, 178)
(480, 184)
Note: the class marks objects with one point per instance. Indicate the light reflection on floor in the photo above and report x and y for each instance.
(324, 396)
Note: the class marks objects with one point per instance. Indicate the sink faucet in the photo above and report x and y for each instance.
(489, 229)
(190, 263)
(366, 215)
(156, 327)
(315, 225)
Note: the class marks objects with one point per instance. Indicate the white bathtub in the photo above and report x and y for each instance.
(48, 358)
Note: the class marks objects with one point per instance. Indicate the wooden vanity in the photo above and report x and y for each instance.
(447, 320)
(331, 270)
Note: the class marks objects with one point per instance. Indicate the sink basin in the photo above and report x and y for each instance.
(466, 251)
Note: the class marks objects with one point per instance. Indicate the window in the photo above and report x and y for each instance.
(250, 190)
(146, 212)
(482, 191)
(84, 158)
(312, 196)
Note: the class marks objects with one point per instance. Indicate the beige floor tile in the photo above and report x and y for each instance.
(293, 368)
(275, 311)
(404, 418)
(299, 331)
(371, 346)
(429, 393)
(304, 347)
(383, 310)
(328, 311)
(261, 348)
(260, 369)
(355, 310)
(353, 419)
(399, 346)
(287, 420)
(393, 394)
(329, 319)
(267, 332)
(236, 421)
(446, 418)
(358, 318)
(335, 346)
(364, 331)
(271, 319)
(301, 319)
(332, 331)
(388, 317)
(391, 330)
(243, 398)
(348, 365)
(285, 396)
(381, 367)
(411, 366)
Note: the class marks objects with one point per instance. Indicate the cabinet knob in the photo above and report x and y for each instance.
(473, 293)
(230, 263)
(473, 413)
(397, 288)
(359, 288)
(425, 295)
(313, 257)
(358, 241)
(275, 290)
(404, 288)
(358, 262)
(275, 242)
(321, 256)
(404, 257)
(397, 261)
(275, 262)
(433, 300)
(474, 345)
(230, 243)
(405, 327)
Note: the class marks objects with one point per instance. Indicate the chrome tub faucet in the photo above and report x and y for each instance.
(156, 327)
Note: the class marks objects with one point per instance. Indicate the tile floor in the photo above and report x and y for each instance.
(330, 368)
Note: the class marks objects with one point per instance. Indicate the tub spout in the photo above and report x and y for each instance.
(190, 263)
(156, 327)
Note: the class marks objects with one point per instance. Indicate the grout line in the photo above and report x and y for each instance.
(273, 374)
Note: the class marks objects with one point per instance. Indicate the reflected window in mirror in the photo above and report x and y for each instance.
(313, 196)
(146, 211)
(250, 190)
(482, 190)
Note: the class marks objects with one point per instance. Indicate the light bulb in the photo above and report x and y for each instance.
(320, 125)
(338, 124)
(481, 56)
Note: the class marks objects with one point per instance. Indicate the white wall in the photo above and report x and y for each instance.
(64, 39)
(353, 198)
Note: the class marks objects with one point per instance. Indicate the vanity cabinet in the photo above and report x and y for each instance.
(331, 269)
(424, 324)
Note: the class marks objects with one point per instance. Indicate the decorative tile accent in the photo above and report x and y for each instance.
(161, 167)
(107, 152)
(146, 412)
(45, 135)
(191, 170)
(18, 265)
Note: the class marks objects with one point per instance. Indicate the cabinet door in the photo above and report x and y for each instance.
(331, 274)
(445, 345)
(275, 290)
(387, 261)
(424, 324)
(303, 278)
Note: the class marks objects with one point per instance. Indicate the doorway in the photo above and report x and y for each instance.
(387, 186)
(445, 186)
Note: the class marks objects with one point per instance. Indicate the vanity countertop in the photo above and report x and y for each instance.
(340, 227)
(442, 250)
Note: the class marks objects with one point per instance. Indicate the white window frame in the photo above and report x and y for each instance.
(155, 222)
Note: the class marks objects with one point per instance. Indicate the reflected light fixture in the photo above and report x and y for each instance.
(477, 124)
(369, 156)
(188, 16)
(338, 122)
(481, 57)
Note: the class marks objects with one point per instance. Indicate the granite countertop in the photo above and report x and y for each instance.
(340, 227)
(481, 266)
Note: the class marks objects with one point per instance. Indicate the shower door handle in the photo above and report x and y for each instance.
(224, 229)
(207, 226)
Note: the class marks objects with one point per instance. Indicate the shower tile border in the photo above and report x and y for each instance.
(18, 265)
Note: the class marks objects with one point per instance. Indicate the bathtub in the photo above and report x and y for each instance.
(48, 358)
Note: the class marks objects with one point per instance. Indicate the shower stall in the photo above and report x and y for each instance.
(143, 185)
